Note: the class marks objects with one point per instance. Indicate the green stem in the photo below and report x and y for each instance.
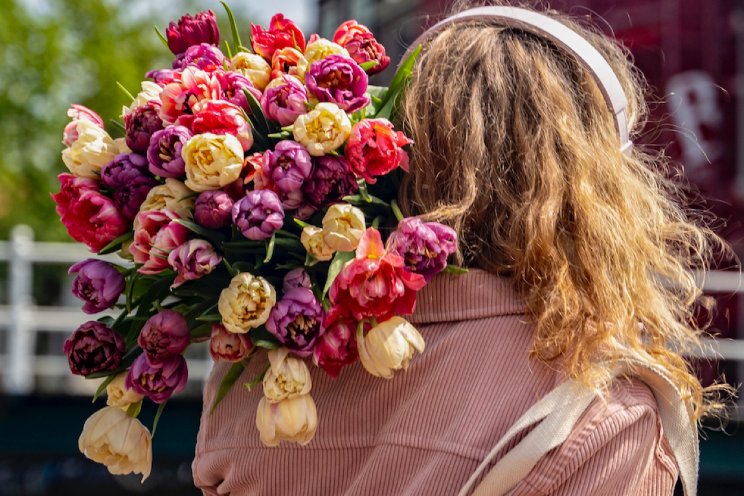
(396, 210)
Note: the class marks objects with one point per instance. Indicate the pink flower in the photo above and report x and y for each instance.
(141, 123)
(181, 96)
(93, 347)
(282, 33)
(221, 117)
(164, 335)
(375, 284)
(233, 86)
(89, 216)
(424, 246)
(288, 61)
(156, 234)
(228, 346)
(203, 56)
(361, 45)
(213, 209)
(284, 100)
(193, 260)
(336, 348)
(296, 278)
(374, 149)
(157, 380)
(98, 284)
(340, 80)
(190, 31)
(77, 113)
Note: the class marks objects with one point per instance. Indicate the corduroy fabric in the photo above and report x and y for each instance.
(426, 430)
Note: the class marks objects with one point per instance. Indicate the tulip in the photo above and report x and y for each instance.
(222, 117)
(375, 149)
(164, 335)
(91, 149)
(212, 161)
(296, 278)
(258, 214)
(246, 303)
(340, 80)
(234, 85)
(284, 99)
(252, 66)
(343, 227)
(193, 260)
(131, 182)
(361, 45)
(98, 284)
(118, 441)
(282, 33)
(213, 209)
(203, 56)
(190, 31)
(293, 420)
(330, 180)
(296, 321)
(141, 123)
(322, 48)
(77, 113)
(314, 242)
(336, 348)
(173, 196)
(228, 346)
(288, 377)
(93, 347)
(164, 152)
(156, 234)
(389, 346)
(158, 380)
(119, 395)
(424, 246)
(323, 129)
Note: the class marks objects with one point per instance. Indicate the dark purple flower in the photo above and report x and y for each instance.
(140, 125)
(340, 80)
(258, 214)
(296, 278)
(193, 260)
(233, 84)
(213, 209)
(201, 28)
(336, 348)
(93, 347)
(164, 335)
(296, 321)
(330, 181)
(164, 152)
(424, 246)
(98, 284)
(287, 167)
(157, 380)
(284, 100)
(204, 56)
(127, 175)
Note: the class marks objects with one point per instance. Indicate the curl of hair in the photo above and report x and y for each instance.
(517, 151)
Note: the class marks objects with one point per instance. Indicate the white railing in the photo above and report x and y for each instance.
(22, 319)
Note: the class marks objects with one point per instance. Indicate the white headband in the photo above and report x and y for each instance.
(562, 36)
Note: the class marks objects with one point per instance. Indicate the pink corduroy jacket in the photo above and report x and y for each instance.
(426, 430)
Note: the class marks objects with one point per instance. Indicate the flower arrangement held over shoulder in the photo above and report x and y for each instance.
(252, 196)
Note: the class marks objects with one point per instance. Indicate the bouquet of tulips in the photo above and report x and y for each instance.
(251, 197)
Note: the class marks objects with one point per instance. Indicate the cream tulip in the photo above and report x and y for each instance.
(212, 161)
(119, 395)
(118, 441)
(343, 226)
(246, 303)
(92, 149)
(323, 129)
(253, 67)
(173, 195)
(313, 241)
(287, 378)
(293, 420)
(389, 346)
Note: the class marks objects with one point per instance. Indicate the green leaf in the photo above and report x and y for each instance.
(270, 248)
(201, 331)
(215, 237)
(119, 125)
(371, 200)
(125, 90)
(227, 383)
(370, 64)
(155, 422)
(256, 380)
(103, 386)
(233, 25)
(134, 409)
(267, 345)
(455, 269)
(397, 85)
(116, 244)
(162, 38)
(229, 54)
(209, 318)
(338, 262)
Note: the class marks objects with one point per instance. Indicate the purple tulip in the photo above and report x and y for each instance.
(93, 347)
(258, 214)
(164, 152)
(98, 284)
(287, 167)
(157, 380)
(296, 278)
(140, 125)
(296, 321)
(189, 31)
(340, 80)
(424, 246)
(213, 209)
(163, 76)
(164, 335)
(128, 177)
(330, 181)
(203, 56)
(233, 84)
(192, 260)
(284, 100)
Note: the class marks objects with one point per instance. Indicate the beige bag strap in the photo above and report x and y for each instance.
(557, 414)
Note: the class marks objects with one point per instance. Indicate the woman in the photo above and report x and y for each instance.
(578, 255)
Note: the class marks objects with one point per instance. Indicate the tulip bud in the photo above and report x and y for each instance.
(287, 378)
(293, 419)
(389, 346)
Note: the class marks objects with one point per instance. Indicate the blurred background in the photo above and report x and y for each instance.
(55, 52)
